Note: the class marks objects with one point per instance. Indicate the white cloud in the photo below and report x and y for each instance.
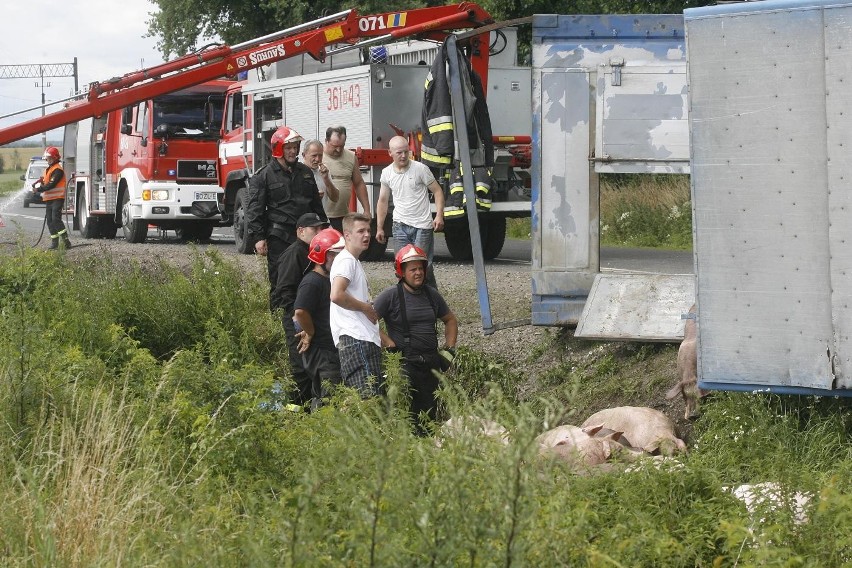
(106, 37)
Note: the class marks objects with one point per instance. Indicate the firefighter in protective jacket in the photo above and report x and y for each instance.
(280, 193)
(51, 187)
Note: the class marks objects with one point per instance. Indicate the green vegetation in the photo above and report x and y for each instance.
(143, 426)
(646, 211)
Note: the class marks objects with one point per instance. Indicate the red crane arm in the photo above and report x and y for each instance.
(224, 61)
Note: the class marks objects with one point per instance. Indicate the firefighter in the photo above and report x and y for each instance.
(51, 189)
(280, 193)
(320, 358)
(411, 310)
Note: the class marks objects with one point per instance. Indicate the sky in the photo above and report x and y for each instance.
(106, 37)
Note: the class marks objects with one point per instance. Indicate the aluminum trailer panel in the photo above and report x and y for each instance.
(609, 94)
(769, 98)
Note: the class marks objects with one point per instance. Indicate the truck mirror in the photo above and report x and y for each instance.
(126, 129)
(23, 177)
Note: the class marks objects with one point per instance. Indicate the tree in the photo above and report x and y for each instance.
(180, 24)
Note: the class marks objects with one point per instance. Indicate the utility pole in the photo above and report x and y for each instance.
(40, 71)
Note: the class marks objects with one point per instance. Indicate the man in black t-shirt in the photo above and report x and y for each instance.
(411, 310)
(292, 266)
(311, 315)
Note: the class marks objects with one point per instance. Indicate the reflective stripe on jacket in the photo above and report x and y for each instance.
(438, 143)
(55, 189)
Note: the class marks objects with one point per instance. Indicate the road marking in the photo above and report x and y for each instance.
(22, 216)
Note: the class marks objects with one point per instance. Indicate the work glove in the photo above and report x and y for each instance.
(449, 354)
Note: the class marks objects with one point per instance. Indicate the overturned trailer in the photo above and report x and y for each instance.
(763, 130)
(770, 85)
(609, 96)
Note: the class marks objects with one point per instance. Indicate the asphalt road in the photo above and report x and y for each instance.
(516, 252)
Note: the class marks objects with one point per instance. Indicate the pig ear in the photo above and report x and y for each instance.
(614, 436)
(592, 430)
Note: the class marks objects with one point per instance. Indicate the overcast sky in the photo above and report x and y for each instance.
(106, 37)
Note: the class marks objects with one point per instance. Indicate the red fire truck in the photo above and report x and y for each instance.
(141, 148)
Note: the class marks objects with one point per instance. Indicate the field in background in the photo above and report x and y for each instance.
(637, 210)
(17, 158)
(646, 211)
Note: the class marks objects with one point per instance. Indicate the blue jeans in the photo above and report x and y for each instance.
(424, 238)
(405, 234)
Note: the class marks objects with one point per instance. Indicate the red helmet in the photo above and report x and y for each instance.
(326, 240)
(280, 137)
(51, 152)
(407, 254)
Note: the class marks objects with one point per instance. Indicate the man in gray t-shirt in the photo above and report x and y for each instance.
(411, 310)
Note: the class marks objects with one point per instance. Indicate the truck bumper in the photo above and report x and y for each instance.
(179, 202)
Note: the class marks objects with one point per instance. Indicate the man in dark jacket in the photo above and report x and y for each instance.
(280, 193)
(291, 268)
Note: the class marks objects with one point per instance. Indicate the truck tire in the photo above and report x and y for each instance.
(108, 228)
(194, 232)
(135, 230)
(376, 250)
(492, 232)
(241, 239)
(89, 226)
(492, 243)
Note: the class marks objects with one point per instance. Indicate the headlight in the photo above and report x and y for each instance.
(160, 195)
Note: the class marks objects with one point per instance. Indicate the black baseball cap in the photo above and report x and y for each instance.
(311, 220)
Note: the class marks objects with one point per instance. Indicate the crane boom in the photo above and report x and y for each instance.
(223, 61)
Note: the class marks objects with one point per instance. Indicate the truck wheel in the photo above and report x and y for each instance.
(89, 226)
(457, 236)
(492, 232)
(135, 230)
(492, 242)
(241, 239)
(194, 232)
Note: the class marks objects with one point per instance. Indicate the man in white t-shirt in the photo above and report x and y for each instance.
(354, 321)
(410, 183)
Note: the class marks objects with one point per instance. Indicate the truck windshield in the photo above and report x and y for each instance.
(188, 115)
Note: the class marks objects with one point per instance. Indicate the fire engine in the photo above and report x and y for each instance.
(141, 147)
(375, 100)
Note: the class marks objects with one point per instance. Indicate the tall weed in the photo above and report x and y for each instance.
(646, 211)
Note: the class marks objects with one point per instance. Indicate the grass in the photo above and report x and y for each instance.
(637, 211)
(129, 442)
(646, 211)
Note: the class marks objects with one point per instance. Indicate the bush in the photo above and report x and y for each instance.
(122, 448)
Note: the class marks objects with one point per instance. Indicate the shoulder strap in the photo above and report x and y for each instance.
(406, 332)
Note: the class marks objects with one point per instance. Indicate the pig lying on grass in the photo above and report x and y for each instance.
(586, 447)
(646, 428)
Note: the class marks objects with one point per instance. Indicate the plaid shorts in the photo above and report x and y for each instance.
(361, 365)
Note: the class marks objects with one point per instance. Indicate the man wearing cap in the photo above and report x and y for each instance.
(292, 265)
(411, 310)
(311, 315)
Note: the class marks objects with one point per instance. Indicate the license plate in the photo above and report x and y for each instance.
(205, 196)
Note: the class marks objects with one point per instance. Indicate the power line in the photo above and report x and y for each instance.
(40, 71)
(31, 70)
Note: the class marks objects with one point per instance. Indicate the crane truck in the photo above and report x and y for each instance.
(141, 148)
